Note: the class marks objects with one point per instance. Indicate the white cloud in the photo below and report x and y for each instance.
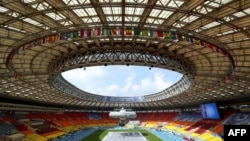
(119, 81)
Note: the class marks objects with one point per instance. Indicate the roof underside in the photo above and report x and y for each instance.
(218, 62)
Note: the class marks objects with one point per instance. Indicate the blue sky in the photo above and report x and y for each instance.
(124, 81)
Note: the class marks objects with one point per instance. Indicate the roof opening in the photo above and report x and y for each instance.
(122, 81)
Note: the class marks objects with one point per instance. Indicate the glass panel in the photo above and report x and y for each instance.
(210, 25)
(55, 16)
(28, 1)
(137, 1)
(41, 6)
(91, 11)
(165, 14)
(80, 12)
(155, 12)
(31, 21)
(3, 9)
(162, 2)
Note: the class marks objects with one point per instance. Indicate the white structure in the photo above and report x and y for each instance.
(122, 114)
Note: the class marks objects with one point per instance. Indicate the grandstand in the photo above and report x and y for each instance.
(207, 41)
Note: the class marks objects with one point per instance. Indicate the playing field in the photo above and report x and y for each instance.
(124, 136)
(121, 135)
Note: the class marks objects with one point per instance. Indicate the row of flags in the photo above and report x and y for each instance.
(115, 32)
(99, 32)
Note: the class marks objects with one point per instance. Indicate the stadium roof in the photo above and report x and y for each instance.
(205, 40)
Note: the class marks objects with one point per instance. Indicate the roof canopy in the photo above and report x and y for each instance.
(207, 41)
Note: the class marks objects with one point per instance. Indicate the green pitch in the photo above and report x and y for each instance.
(100, 134)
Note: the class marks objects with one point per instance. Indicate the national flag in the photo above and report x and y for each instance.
(208, 45)
(197, 42)
(151, 33)
(179, 37)
(144, 32)
(80, 33)
(87, 32)
(26, 46)
(137, 32)
(155, 34)
(221, 51)
(174, 37)
(68, 35)
(93, 32)
(75, 34)
(128, 31)
(56, 37)
(10, 57)
(159, 34)
(113, 31)
(122, 31)
(61, 36)
(98, 31)
(167, 35)
(108, 32)
(49, 39)
(103, 31)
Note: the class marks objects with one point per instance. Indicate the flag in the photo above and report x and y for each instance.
(113, 31)
(62, 36)
(155, 34)
(98, 31)
(11, 56)
(197, 42)
(221, 51)
(26, 46)
(93, 32)
(68, 35)
(174, 37)
(108, 32)
(167, 35)
(179, 37)
(103, 31)
(56, 37)
(87, 32)
(122, 31)
(151, 33)
(128, 31)
(210, 46)
(80, 33)
(75, 35)
(159, 34)
(137, 32)
(144, 32)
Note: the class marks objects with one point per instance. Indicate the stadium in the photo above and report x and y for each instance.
(207, 41)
